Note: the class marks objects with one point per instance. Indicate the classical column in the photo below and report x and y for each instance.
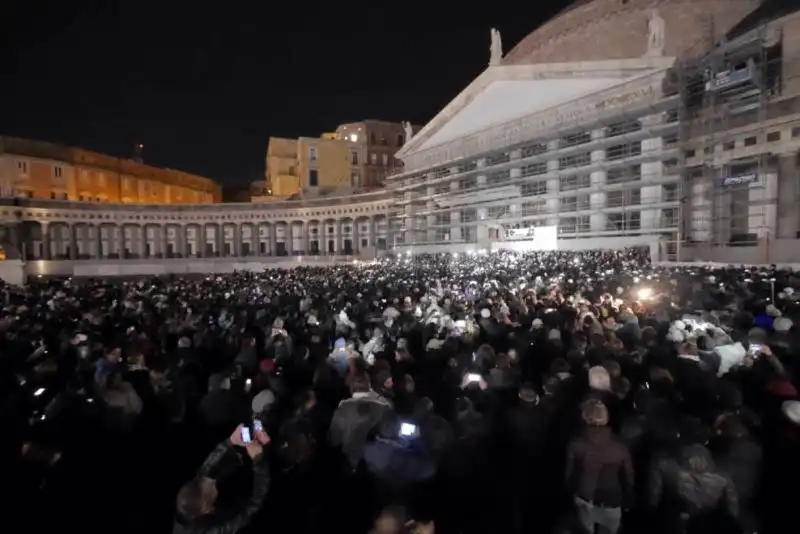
(237, 239)
(552, 203)
(430, 222)
(73, 242)
(97, 244)
(482, 214)
(652, 171)
(273, 240)
(356, 237)
(46, 251)
(597, 178)
(165, 239)
(455, 217)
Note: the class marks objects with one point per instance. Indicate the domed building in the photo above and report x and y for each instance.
(661, 123)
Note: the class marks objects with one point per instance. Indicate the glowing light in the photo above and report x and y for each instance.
(645, 293)
(354, 138)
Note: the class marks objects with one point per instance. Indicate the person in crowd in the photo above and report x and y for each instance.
(700, 496)
(357, 417)
(599, 471)
(218, 408)
(197, 499)
(397, 456)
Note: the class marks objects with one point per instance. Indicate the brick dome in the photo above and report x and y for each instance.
(592, 30)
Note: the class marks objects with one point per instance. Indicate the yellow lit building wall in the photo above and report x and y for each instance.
(39, 170)
(281, 167)
(328, 157)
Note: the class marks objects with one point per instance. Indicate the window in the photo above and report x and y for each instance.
(498, 177)
(313, 178)
(624, 197)
(530, 189)
(568, 183)
(466, 167)
(669, 192)
(498, 159)
(373, 158)
(773, 136)
(533, 150)
(355, 180)
(568, 204)
(385, 159)
(669, 217)
(312, 153)
(466, 183)
(354, 157)
(619, 175)
(496, 212)
(52, 195)
(22, 166)
(795, 131)
(622, 128)
(574, 139)
(578, 160)
(690, 153)
(372, 138)
(533, 208)
(567, 225)
(400, 139)
(441, 189)
(623, 151)
(534, 169)
(728, 145)
(58, 172)
(750, 141)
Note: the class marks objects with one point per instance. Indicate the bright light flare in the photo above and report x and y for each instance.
(645, 293)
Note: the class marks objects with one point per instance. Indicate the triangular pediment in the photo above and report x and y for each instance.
(504, 93)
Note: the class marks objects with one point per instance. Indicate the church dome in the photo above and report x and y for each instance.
(594, 30)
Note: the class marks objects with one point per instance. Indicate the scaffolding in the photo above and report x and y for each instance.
(552, 178)
(731, 177)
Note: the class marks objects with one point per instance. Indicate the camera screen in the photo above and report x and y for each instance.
(407, 429)
(247, 439)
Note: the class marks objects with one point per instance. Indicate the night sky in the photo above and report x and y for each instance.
(204, 85)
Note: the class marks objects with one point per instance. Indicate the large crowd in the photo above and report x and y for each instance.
(488, 393)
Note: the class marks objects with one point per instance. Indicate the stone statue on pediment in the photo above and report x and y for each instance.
(656, 28)
(495, 47)
(409, 131)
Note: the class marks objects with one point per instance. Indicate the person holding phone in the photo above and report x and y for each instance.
(196, 500)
